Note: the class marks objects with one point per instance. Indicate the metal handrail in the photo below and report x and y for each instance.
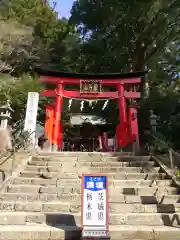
(171, 151)
(163, 142)
(15, 148)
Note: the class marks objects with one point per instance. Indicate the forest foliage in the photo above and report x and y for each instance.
(100, 36)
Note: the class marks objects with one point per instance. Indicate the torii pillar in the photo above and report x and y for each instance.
(57, 130)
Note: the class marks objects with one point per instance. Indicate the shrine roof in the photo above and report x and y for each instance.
(46, 72)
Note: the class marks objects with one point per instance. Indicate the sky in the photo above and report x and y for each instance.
(63, 7)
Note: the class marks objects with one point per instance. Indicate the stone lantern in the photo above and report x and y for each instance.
(5, 115)
(153, 121)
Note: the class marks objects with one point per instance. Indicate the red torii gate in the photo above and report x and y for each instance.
(126, 131)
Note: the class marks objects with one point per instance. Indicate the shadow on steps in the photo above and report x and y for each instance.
(175, 221)
(161, 208)
(65, 222)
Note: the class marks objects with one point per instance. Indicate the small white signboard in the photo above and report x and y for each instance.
(31, 114)
(94, 206)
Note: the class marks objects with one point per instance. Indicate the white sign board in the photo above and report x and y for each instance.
(94, 206)
(31, 112)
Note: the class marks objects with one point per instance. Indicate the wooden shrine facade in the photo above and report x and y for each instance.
(91, 86)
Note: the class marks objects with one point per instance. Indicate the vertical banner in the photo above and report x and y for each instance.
(133, 128)
(95, 212)
(100, 142)
(31, 115)
(133, 123)
(48, 130)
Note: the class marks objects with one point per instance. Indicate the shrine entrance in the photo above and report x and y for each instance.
(93, 87)
(83, 132)
(83, 137)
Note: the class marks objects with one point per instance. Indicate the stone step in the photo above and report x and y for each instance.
(118, 176)
(71, 159)
(57, 206)
(84, 169)
(45, 232)
(93, 158)
(150, 219)
(47, 175)
(128, 190)
(135, 176)
(55, 164)
(76, 169)
(91, 154)
(75, 198)
(73, 183)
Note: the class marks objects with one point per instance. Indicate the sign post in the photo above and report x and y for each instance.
(31, 116)
(95, 212)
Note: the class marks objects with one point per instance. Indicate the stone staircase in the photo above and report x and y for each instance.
(43, 202)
